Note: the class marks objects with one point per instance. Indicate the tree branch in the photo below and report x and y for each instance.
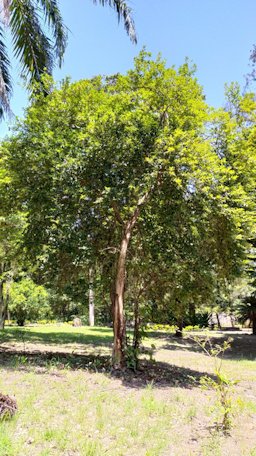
(117, 213)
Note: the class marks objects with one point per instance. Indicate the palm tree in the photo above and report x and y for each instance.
(247, 311)
(38, 49)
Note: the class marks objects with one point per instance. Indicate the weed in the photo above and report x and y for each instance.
(221, 384)
(191, 414)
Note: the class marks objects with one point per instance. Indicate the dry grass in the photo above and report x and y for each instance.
(70, 403)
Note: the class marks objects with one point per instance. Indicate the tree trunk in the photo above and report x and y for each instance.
(254, 322)
(136, 332)
(179, 332)
(192, 314)
(118, 356)
(218, 321)
(91, 298)
(2, 307)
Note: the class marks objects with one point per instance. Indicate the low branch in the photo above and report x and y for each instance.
(142, 200)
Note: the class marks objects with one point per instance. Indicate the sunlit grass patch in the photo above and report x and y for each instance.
(72, 409)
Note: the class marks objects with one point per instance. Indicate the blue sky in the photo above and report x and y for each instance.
(217, 35)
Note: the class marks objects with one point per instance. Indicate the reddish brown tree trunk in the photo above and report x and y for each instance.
(118, 355)
(254, 322)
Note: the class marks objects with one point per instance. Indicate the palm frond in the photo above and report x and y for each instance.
(31, 45)
(54, 19)
(5, 79)
(124, 12)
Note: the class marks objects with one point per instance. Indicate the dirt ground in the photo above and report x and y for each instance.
(164, 396)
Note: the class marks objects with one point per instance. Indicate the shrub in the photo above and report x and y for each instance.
(191, 328)
(221, 383)
(28, 301)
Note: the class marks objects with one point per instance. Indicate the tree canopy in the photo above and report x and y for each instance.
(134, 172)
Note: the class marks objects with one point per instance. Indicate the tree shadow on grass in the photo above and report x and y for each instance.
(102, 336)
(243, 345)
(162, 375)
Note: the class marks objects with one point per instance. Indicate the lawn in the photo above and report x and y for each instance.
(71, 403)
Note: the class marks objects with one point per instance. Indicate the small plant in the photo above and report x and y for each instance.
(163, 328)
(131, 354)
(221, 384)
(190, 328)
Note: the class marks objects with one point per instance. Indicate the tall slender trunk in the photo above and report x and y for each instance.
(2, 306)
(118, 355)
(91, 298)
(137, 320)
(136, 332)
(218, 321)
(192, 313)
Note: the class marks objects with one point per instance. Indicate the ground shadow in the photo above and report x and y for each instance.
(162, 375)
(243, 345)
(57, 338)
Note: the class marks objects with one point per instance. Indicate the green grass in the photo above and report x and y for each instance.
(57, 334)
(72, 410)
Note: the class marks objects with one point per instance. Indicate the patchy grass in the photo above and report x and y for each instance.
(71, 403)
(60, 334)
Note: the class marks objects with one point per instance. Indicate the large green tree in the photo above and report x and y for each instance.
(12, 223)
(108, 169)
(37, 46)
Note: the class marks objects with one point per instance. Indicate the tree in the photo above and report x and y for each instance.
(11, 228)
(28, 301)
(109, 167)
(37, 47)
(235, 141)
(12, 223)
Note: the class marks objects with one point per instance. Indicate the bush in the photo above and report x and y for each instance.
(165, 328)
(191, 328)
(28, 301)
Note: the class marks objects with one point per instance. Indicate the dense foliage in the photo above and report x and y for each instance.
(28, 301)
(134, 176)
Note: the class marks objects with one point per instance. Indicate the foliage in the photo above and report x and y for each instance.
(221, 384)
(39, 39)
(12, 225)
(246, 311)
(131, 355)
(160, 327)
(192, 328)
(28, 301)
(136, 162)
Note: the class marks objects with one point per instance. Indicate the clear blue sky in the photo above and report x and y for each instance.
(217, 35)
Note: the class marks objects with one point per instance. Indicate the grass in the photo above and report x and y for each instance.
(62, 334)
(71, 404)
